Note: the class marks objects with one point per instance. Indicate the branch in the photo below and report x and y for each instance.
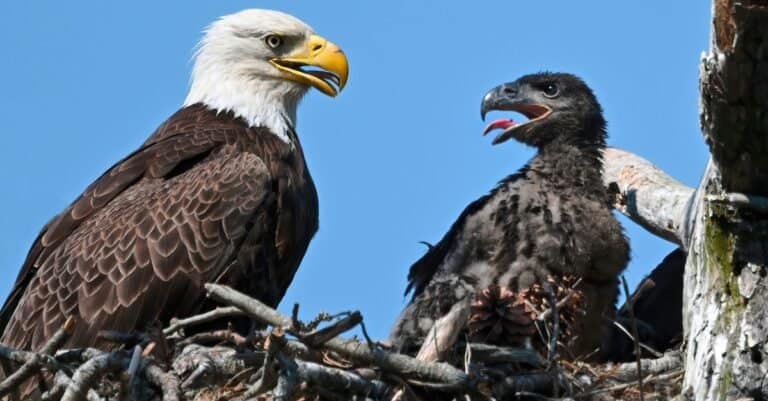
(445, 332)
(167, 382)
(538, 383)
(454, 379)
(88, 373)
(321, 336)
(32, 365)
(493, 354)
(340, 380)
(648, 195)
(671, 361)
(206, 317)
(631, 309)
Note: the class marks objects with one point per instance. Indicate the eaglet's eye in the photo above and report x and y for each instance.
(551, 90)
(273, 41)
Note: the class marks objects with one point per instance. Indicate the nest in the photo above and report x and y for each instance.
(294, 360)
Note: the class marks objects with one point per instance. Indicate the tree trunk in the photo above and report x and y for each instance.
(726, 293)
(724, 224)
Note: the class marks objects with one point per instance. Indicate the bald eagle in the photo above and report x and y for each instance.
(552, 217)
(220, 192)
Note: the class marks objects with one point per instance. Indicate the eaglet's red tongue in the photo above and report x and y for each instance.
(503, 124)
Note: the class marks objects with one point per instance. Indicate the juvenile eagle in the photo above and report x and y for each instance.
(552, 217)
(219, 193)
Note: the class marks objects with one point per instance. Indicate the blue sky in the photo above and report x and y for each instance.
(396, 156)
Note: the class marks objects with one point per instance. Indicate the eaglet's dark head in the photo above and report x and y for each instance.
(560, 108)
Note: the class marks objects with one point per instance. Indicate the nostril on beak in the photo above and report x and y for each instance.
(317, 47)
(510, 90)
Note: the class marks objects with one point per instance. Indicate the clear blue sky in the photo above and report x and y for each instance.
(395, 158)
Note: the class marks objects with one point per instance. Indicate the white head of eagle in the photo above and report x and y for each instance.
(250, 63)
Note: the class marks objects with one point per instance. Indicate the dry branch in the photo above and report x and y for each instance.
(88, 374)
(32, 365)
(167, 382)
(321, 336)
(671, 361)
(218, 313)
(648, 195)
(445, 332)
(300, 361)
(493, 354)
(340, 380)
(355, 350)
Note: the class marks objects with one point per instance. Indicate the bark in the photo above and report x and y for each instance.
(726, 298)
(648, 195)
(723, 224)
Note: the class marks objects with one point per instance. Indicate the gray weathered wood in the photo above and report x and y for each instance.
(648, 195)
(726, 294)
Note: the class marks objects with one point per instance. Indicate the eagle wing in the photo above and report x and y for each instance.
(139, 243)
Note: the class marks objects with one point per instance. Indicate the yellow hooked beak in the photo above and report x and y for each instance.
(320, 53)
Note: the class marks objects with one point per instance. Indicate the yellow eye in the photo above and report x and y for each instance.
(273, 41)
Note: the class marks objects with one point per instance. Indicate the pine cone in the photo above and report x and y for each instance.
(569, 312)
(501, 317)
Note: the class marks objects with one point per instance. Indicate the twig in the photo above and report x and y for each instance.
(320, 336)
(200, 365)
(218, 336)
(455, 379)
(218, 313)
(60, 383)
(288, 381)
(540, 382)
(168, 382)
(445, 332)
(252, 307)
(295, 322)
(626, 332)
(367, 338)
(268, 378)
(88, 373)
(133, 365)
(32, 365)
(636, 334)
(668, 362)
(649, 379)
(21, 357)
(340, 380)
(552, 299)
(130, 339)
(544, 315)
(644, 286)
(493, 354)
(5, 368)
(744, 201)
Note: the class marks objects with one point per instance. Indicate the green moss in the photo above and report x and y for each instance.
(720, 245)
(725, 384)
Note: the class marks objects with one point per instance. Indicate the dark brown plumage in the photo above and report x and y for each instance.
(658, 311)
(552, 217)
(206, 198)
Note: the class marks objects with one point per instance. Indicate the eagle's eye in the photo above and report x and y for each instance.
(551, 90)
(273, 41)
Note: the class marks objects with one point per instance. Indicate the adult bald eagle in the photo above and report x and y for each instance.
(551, 217)
(220, 192)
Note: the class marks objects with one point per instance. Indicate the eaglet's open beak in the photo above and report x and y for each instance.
(511, 97)
(321, 53)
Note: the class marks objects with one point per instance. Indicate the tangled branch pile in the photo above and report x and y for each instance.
(293, 360)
